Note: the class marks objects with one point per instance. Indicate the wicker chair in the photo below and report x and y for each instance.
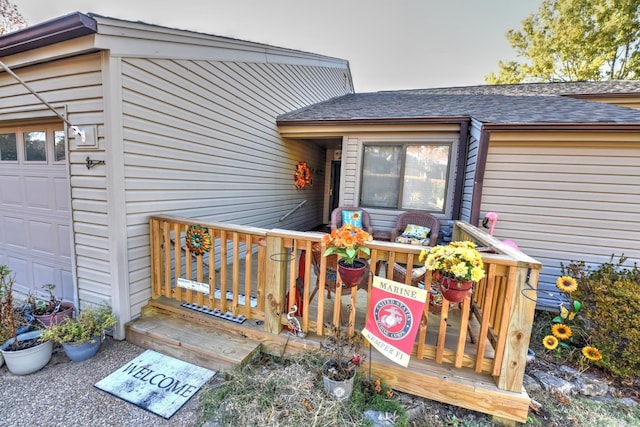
(422, 219)
(336, 218)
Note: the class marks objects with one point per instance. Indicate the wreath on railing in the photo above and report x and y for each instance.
(302, 175)
(198, 240)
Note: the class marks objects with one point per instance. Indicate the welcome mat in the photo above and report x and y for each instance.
(155, 382)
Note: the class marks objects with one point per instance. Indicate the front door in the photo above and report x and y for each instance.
(334, 190)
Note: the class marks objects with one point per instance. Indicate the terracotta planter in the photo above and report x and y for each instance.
(454, 290)
(23, 362)
(353, 274)
(66, 311)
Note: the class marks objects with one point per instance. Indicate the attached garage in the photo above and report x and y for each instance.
(34, 205)
(174, 122)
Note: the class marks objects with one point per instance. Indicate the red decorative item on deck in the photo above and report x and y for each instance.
(352, 274)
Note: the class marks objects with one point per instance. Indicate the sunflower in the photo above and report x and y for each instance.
(561, 331)
(591, 353)
(566, 284)
(550, 342)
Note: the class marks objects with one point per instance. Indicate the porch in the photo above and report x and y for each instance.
(471, 355)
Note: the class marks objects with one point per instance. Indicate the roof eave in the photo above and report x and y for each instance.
(372, 121)
(554, 127)
(47, 33)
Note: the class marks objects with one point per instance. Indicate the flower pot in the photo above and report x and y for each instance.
(28, 360)
(352, 274)
(66, 311)
(340, 390)
(454, 290)
(28, 320)
(79, 352)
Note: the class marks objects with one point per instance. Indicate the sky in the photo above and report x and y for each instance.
(390, 44)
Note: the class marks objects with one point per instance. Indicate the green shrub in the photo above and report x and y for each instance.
(611, 298)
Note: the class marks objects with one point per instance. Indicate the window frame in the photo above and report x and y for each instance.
(49, 130)
(404, 143)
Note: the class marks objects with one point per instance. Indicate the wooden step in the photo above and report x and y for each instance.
(204, 346)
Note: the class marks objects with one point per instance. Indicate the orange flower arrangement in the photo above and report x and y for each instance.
(346, 242)
(302, 175)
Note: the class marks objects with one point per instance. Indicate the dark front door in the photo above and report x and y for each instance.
(334, 190)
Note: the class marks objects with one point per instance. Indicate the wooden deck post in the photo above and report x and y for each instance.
(521, 315)
(276, 269)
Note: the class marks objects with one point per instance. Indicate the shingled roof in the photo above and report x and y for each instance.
(523, 103)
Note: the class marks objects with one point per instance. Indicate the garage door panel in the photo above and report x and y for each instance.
(15, 231)
(67, 288)
(64, 245)
(38, 193)
(44, 274)
(11, 191)
(43, 237)
(61, 186)
(20, 268)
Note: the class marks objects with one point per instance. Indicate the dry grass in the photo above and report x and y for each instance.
(289, 392)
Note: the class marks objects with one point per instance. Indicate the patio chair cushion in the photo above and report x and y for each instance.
(414, 235)
(352, 218)
(416, 231)
(413, 241)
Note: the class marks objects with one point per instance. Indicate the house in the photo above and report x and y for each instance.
(558, 162)
(105, 122)
(166, 121)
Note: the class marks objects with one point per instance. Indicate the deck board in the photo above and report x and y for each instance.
(211, 348)
(218, 344)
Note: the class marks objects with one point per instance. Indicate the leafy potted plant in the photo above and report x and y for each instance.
(23, 353)
(81, 336)
(347, 242)
(456, 267)
(339, 370)
(53, 310)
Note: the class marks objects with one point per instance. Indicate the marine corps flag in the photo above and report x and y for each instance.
(393, 319)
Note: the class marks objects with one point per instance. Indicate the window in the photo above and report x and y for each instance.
(35, 146)
(59, 146)
(405, 176)
(8, 147)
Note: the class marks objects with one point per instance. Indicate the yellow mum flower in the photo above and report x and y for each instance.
(550, 342)
(566, 284)
(561, 331)
(591, 353)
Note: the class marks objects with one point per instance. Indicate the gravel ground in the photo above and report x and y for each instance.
(62, 394)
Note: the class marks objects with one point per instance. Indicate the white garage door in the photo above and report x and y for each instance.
(35, 207)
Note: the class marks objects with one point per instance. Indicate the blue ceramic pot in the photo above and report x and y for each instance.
(83, 351)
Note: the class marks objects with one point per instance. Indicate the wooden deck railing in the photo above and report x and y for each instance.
(490, 334)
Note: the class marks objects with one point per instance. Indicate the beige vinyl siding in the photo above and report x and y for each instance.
(200, 141)
(73, 84)
(565, 196)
